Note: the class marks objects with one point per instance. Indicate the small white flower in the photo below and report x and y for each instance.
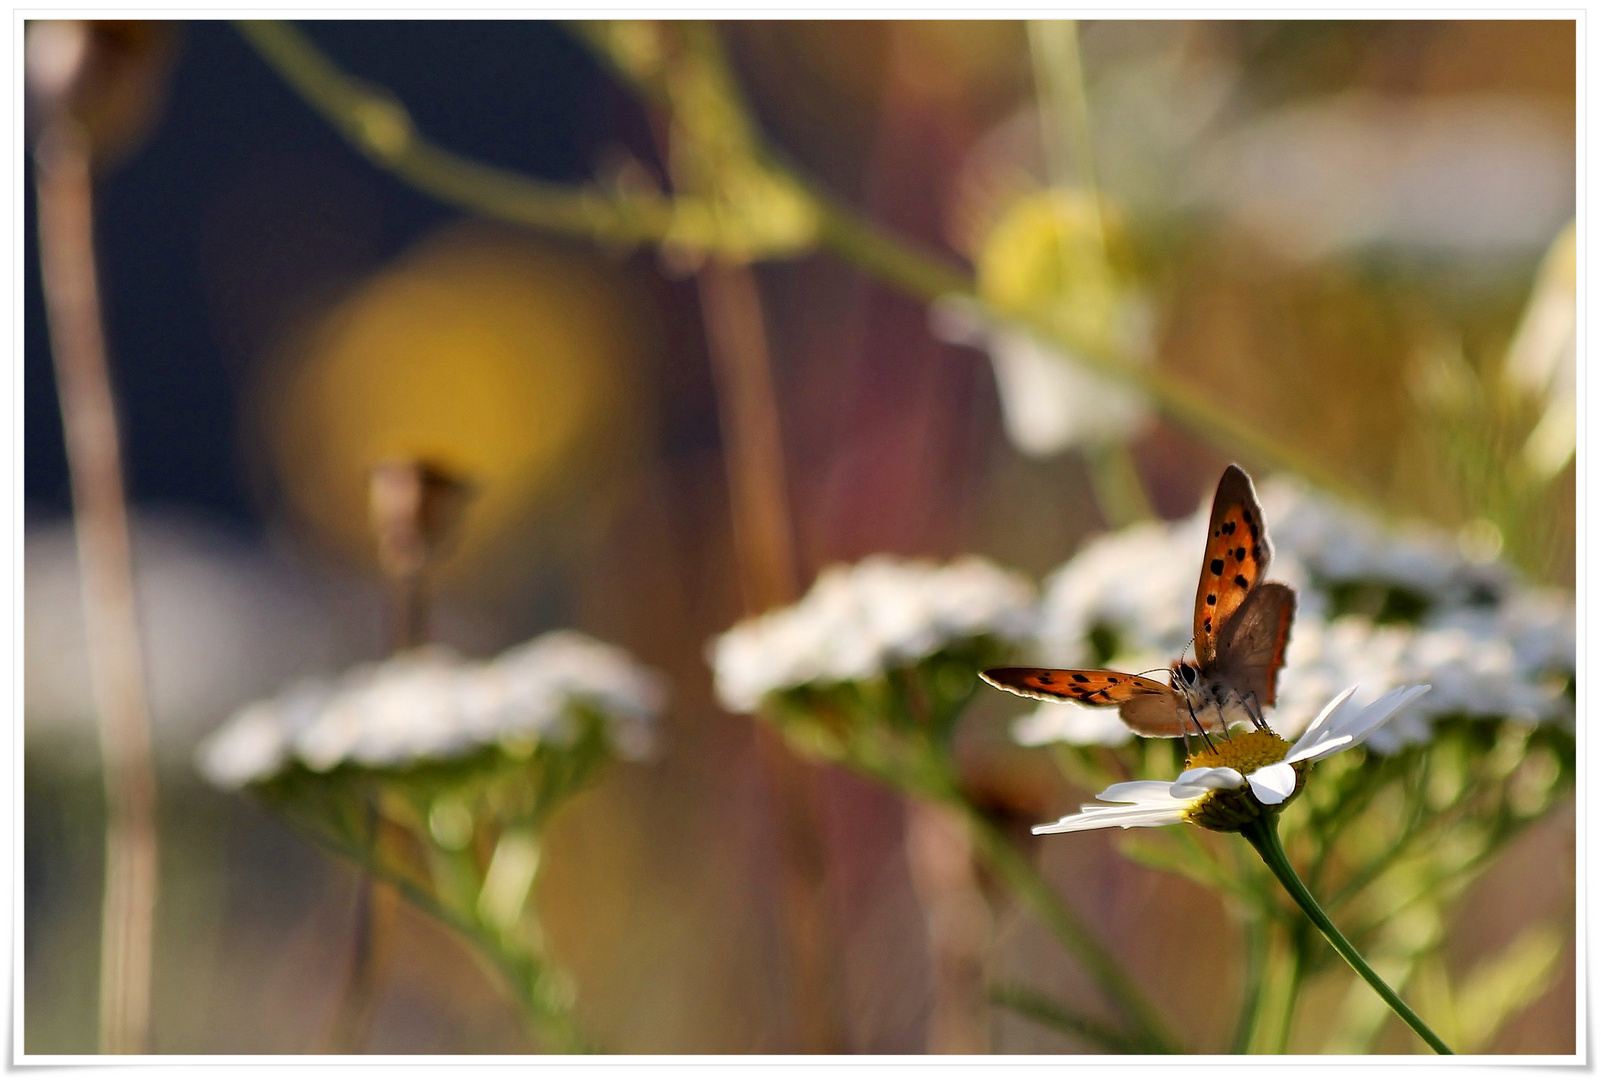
(427, 704)
(1066, 721)
(1042, 389)
(253, 745)
(1266, 776)
(860, 621)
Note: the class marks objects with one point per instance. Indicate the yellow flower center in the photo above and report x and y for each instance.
(1247, 752)
(1232, 810)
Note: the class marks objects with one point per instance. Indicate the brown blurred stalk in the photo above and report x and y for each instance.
(414, 507)
(939, 853)
(763, 545)
(376, 911)
(116, 664)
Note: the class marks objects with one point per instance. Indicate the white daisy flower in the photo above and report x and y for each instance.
(859, 621)
(1236, 780)
(428, 704)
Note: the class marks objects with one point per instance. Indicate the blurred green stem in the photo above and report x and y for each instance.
(1052, 1014)
(1263, 835)
(377, 124)
(1108, 973)
(547, 1020)
(1119, 491)
(1256, 950)
(1294, 975)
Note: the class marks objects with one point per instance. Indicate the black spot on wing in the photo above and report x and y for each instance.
(1241, 581)
(1217, 566)
(1081, 678)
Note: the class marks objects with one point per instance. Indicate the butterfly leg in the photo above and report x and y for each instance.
(1253, 708)
(1222, 720)
(1198, 727)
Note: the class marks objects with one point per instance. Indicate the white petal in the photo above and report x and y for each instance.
(1149, 803)
(1137, 791)
(1314, 730)
(1211, 779)
(1125, 817)
(1272, 784)
(1193, 783)
(1354, 726)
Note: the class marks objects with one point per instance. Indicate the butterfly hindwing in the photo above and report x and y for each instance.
(1250, 650)
(1237, 556)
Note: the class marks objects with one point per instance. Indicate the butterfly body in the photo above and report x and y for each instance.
(1242, 625)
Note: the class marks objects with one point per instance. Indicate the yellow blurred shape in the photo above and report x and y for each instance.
(501, 360)
(1054, 254)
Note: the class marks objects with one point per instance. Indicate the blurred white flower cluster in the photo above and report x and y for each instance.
(858, 621)
(428, 704)
(1489, 645)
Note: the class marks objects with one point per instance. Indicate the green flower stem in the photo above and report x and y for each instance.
(1019, 873)
(1263, 835)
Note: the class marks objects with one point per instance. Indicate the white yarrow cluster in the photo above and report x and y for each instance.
(1488, 645)
(859, 621)
(428, 704)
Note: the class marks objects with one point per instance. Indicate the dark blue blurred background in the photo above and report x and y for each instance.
(242, 204)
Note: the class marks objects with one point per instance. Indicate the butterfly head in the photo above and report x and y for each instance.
(1185, 676)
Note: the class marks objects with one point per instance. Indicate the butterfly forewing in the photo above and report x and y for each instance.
(1085, 687)
(1237, 556)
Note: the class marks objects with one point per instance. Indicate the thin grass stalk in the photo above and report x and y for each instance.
(753, 456)
(100, 519)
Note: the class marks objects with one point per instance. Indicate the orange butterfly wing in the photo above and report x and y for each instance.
(1145, 705)
(1237, 555)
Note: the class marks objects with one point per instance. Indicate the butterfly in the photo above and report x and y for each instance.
(1242, 625)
